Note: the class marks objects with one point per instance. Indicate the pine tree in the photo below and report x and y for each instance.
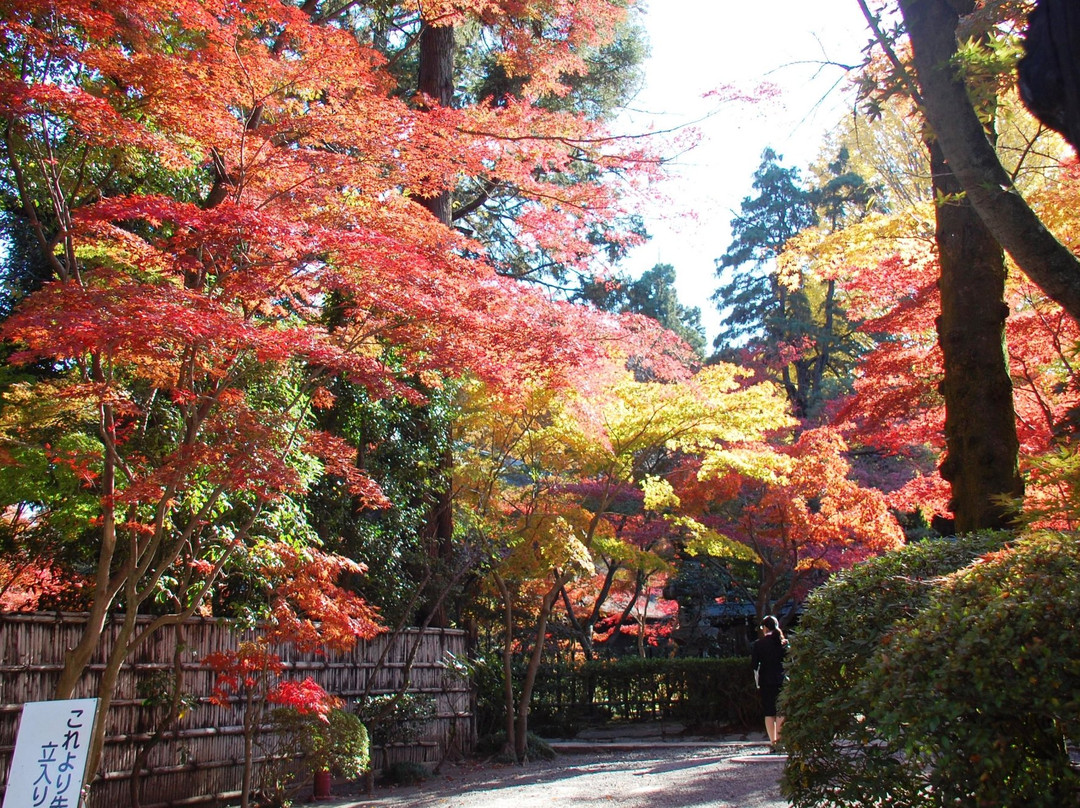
(754, 304)
(654, 295)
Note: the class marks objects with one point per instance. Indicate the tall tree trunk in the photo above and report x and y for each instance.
(435, 81)
(109, 677)
(105, 588)
(982, 212)
(521, 730)
(507, 662)
(980, 423)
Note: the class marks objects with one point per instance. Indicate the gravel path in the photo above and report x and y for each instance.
(717, 775)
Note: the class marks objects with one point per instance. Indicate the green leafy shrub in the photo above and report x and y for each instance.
(494, 745)
(338, 745)
(911, 686)
(979, 692)
(406, 773)
(301, 744)
(397, 718)
(485, 673)
(835, 754)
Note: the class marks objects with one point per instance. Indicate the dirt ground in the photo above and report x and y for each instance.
(717, 774)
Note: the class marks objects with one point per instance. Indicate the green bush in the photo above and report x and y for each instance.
(979, 692)
(910, 686)
(301, 744)
(494, 745)
(406, 773)
(397, 717)
(835, 755)
(486, 675)
(339, 746)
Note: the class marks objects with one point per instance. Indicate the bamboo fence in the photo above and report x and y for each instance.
(200, 762)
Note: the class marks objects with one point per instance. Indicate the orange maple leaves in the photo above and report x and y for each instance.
(816, 521)
(313, 165)
(309, 607)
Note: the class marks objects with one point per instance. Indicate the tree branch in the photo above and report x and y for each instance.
(1046, 261)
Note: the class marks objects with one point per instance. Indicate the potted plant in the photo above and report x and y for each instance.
(336, 747)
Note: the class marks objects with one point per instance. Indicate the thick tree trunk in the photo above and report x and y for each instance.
(435, 81)
(931, 25)
(980, 423)
(110, 675)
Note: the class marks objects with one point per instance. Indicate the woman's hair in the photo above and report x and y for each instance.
(772, 625)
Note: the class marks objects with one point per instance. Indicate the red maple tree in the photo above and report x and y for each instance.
(814, 521)
(897, 409)
(225, 197)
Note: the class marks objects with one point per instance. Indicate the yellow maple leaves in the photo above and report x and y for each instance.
(542, 466)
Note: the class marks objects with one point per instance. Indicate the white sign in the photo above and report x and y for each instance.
(50, 754)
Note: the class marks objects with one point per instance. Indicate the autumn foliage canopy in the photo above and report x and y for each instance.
(225, 195)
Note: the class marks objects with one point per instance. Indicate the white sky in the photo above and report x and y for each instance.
(701, 45)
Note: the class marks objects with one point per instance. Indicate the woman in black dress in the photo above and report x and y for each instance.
(767, 659)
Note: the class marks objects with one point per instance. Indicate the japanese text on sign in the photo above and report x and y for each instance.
(50, 754)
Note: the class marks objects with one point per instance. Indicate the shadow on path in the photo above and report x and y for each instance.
(660, 777)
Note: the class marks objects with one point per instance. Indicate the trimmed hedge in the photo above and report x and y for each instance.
(947, 673)
(981, 690)
(714, 692)
(834, 754)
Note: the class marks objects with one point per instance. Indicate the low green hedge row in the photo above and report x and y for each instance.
(717, 692)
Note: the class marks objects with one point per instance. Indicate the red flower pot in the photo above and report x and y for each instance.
(322, 785)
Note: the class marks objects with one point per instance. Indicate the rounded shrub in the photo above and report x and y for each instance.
(338, 745)
(406, 773)
(978, 693)
(836, 754)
